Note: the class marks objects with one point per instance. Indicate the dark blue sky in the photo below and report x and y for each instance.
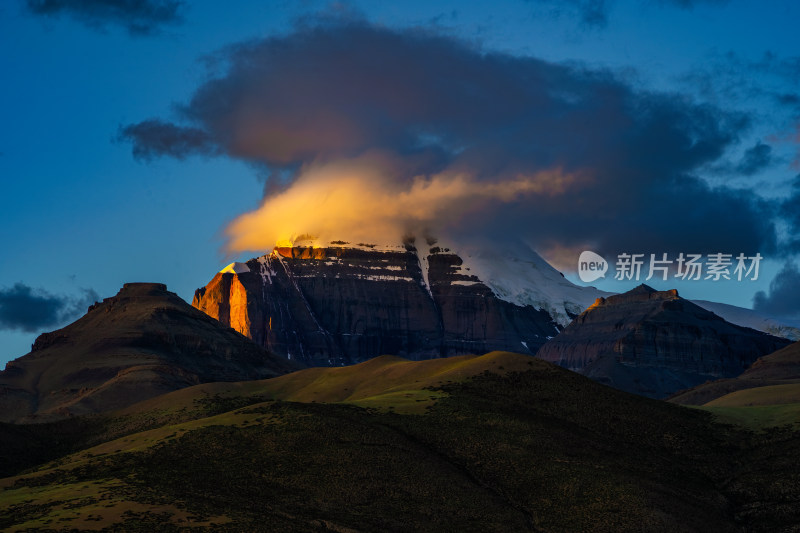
(683, 117)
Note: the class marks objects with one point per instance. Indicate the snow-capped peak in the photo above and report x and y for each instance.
(519, 275)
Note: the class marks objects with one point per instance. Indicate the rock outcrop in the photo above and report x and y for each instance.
(143, 342)
(337, 305)
(655, 343)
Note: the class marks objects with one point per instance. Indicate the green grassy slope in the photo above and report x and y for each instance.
(783, 394)
(383, 381)
(760, 407)
(767, 395)
(531, 448)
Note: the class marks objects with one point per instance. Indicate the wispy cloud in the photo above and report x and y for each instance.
(139, 17)
(595, 14)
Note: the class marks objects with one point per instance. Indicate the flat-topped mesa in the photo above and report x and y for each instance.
(342, 303)
(141, 343)
(642, 293)
(143, 288)
(655, 343)
(135, 291)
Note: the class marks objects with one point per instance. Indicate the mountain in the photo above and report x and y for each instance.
(340, 303)
(772, 380)
(655, 343)
(143, 342)
(500, 442)
(749, 318)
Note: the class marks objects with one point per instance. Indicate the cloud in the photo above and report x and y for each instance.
(334, 200)
(791, 214)
(332, 96)
(796, 160)
(32, 310)
(590, 13)
(738, 79)
(139, 17)
(788, 99)
(755, 159)
(691, 4)
(594, 14)
(782, 300)
(153, 138)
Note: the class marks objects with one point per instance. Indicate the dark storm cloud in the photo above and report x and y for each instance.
(155, 138)
(337, 91)
(139, 17)
(791, 214)
(782, 300)
(32, 310)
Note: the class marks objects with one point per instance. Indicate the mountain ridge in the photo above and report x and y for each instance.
(142, 342)
(655, 343)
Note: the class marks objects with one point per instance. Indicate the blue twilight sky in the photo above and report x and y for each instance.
(135, 136)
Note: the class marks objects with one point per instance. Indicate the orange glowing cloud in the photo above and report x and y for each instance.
(362, 200)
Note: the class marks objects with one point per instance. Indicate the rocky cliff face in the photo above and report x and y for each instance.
(143, 342)
(339, 305)
(655, 343)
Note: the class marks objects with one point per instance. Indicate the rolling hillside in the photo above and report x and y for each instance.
(493, 443)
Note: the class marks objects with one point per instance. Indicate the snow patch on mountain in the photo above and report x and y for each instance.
(753, 319)
(423, 251)
(235, 268)
(519, 275)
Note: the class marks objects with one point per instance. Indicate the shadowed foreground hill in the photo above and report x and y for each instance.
(502, 442)
(141, 343)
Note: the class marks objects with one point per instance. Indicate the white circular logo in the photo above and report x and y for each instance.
(591, 266)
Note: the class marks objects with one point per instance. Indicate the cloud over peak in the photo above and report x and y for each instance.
(328, 95)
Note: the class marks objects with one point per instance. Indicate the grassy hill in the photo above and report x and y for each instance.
(766, 395)
(501, 442)
(383, 382)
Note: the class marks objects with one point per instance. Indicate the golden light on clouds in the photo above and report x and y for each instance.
(361, 200)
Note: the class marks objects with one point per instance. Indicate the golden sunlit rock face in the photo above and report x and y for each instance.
(239, 315)
(226, 300)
